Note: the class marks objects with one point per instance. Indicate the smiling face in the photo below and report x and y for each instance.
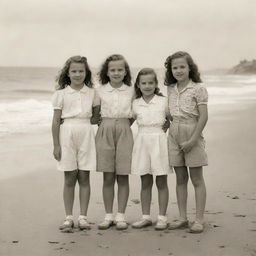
(147, 85)
(77, 74)
(180, 69)
(116, 72)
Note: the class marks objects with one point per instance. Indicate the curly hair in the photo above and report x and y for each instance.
(146, 71)
(63, 79)
(194, 74)
(103, 77)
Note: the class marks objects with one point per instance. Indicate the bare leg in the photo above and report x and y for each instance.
(196, 175)
(146, 193)
(123, 192)
(108, 190)
(163, 193)
(84, 191)
(182, 190)
(70, 179)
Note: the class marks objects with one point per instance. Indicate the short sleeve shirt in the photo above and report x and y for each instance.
(150, 114)
(73, 103)
(115, 102)
(185, 103)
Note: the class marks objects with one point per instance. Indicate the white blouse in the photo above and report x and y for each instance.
(73, 103)
(115, 102)
(150, 114)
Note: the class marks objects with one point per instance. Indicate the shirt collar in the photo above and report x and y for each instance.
(189, 85)
(142, 102)
(109, 88)
(71, 90)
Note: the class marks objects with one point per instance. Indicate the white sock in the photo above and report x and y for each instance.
(109, 216)
(69, 217)
(82, 217)
(146, 217)
(119, 216)
(162, 217)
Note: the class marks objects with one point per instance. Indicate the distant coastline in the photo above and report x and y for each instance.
(245, 67)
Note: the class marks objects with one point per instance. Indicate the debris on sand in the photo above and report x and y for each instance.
(135, 201)
(239, 215)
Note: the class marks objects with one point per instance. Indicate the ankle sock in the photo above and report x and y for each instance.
(109, 216)
(119, 217)
(146, 217)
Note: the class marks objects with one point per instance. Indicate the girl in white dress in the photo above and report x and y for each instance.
(150, 151)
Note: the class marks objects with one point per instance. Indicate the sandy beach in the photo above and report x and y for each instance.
(32, 208)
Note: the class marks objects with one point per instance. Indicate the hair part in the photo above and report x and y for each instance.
(194, 74)
(146, 71)
(103, 77)
(63, 79)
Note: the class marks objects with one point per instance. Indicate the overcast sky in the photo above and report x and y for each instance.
(216, 33)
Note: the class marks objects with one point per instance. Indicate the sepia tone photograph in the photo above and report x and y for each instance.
(127, 128)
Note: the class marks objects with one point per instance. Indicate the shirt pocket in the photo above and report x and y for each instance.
(188, 103)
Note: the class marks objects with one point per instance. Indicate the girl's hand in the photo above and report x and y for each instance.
(99, 121)
(166, 125)
(57, 153)
(187, 145)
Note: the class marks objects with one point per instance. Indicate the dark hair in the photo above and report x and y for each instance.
(146, 71)
(63, 79)
(194, 74)
(103, 77)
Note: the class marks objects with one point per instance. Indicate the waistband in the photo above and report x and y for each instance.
(150, 129)
(115, 118)
(77, 121)
(184, 121)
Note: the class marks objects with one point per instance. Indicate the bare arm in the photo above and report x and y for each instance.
(203, 117)
(56, 121)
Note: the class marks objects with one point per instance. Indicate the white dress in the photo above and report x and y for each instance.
(150, 151)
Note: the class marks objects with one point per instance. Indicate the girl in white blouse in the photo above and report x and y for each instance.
(74, 142)
(150, 151)
(114, 140)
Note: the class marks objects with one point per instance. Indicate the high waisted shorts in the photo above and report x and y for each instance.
(179, 132)
(114, 143)
(77, 141)
(150, 152)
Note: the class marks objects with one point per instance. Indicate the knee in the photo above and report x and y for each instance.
(70, 181)
(161, 182)
(122, 180)
(147, 184)
(84, 182)
(109, 180)
(182, 179)
(197, 181)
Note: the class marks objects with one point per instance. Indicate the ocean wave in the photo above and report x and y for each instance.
(233, 79)
(33, 91)
(24, 115)
(241, 90)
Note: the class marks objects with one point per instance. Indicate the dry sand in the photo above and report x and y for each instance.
(31, 206)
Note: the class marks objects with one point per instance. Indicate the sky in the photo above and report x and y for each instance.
(217, 34)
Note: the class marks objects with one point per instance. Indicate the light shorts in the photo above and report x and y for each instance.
(77, 141)
(179, 132)
(114, 143)
(150, 152)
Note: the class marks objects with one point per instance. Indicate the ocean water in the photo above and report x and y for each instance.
(25, 96)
